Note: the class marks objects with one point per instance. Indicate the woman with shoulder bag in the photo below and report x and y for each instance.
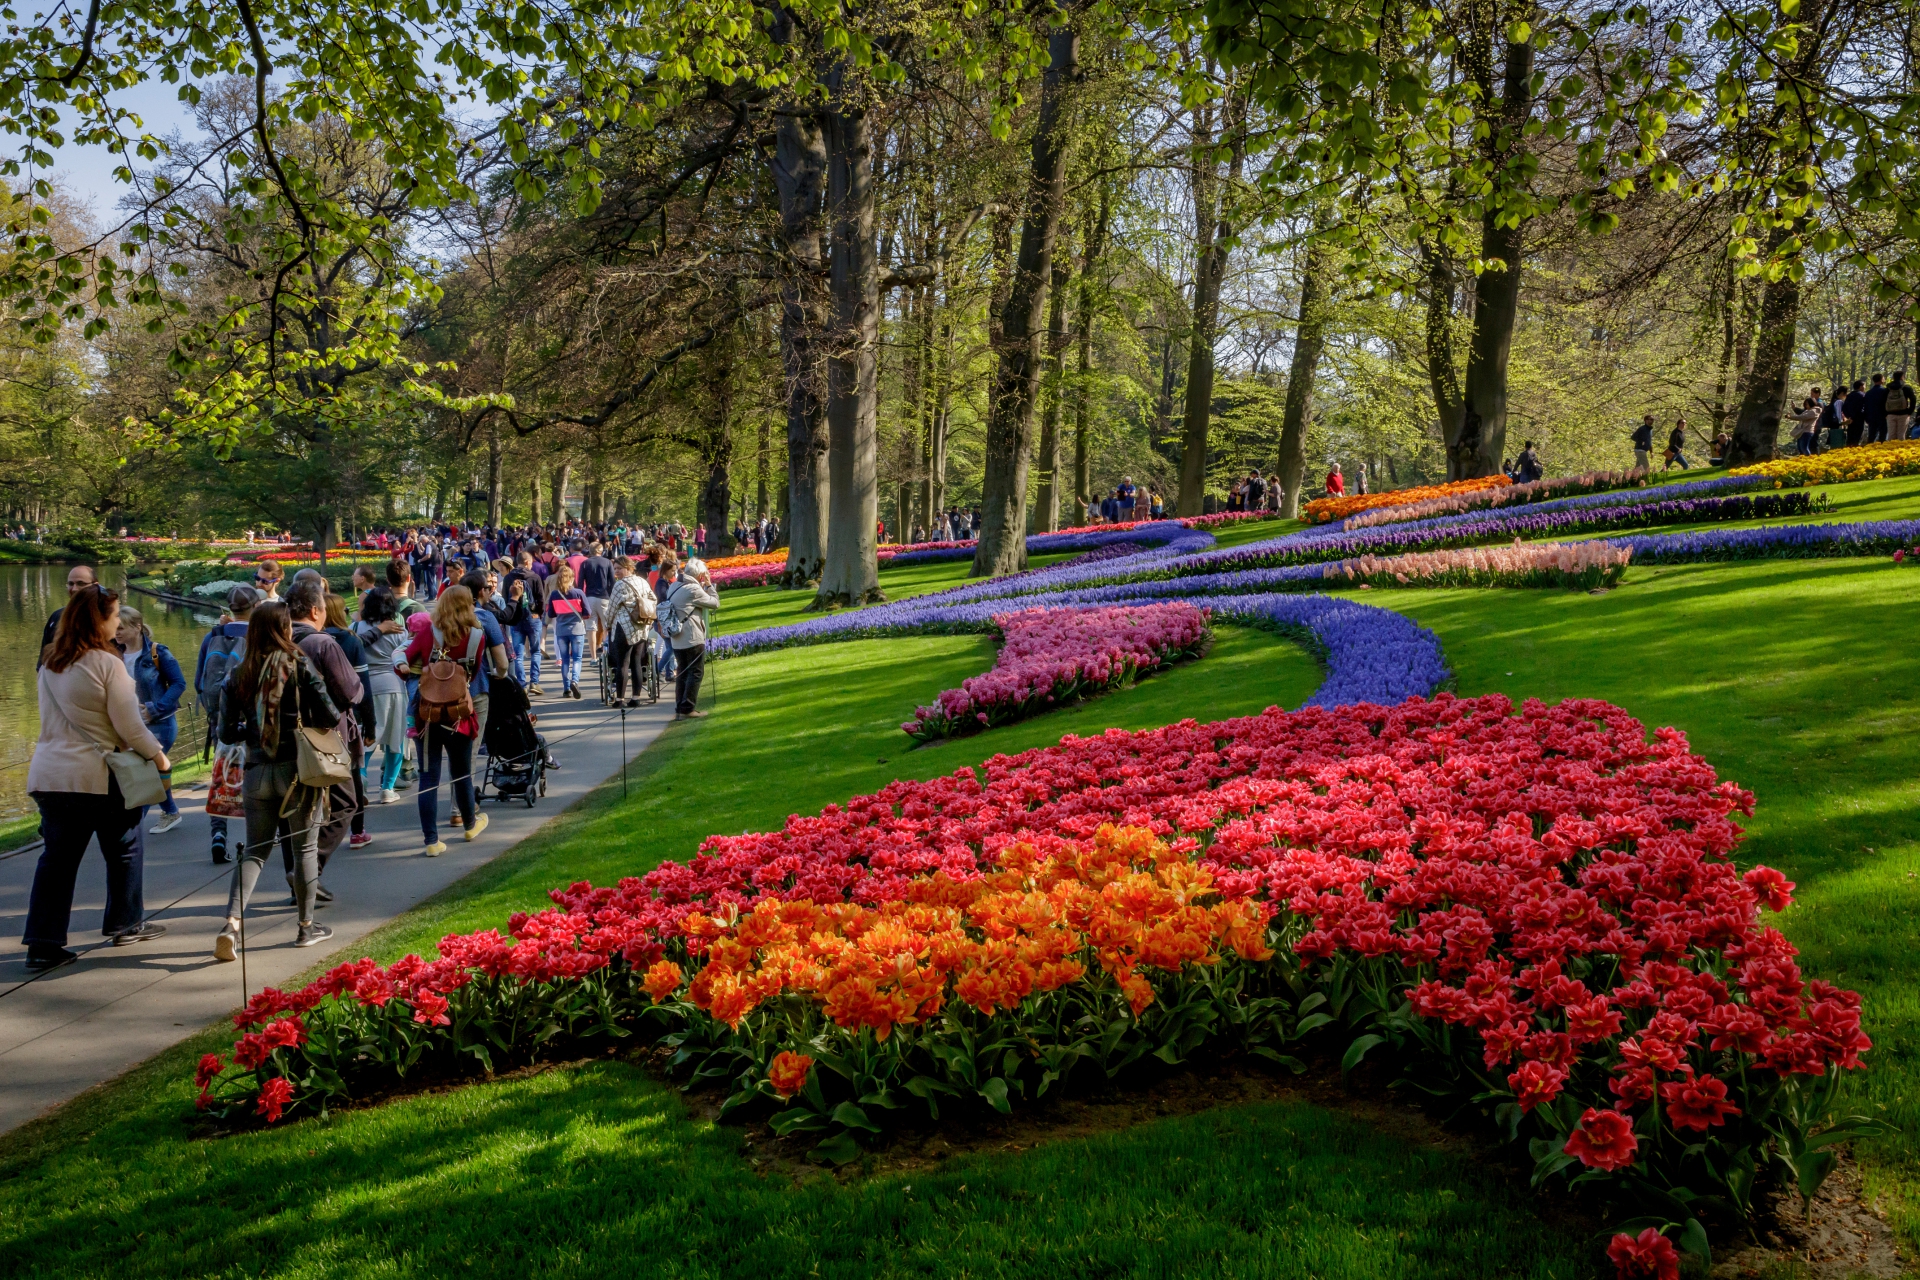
(158, 682)
(91, 731)
(445, 657)
(633, 609)
(272, 697)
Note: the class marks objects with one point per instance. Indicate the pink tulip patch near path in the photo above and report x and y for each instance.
(1054, 656)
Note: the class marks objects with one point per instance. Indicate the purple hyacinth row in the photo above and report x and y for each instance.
(1500, 525)
(1371, 655)
(1154, 534)
(1787, 542)
(1188, 554)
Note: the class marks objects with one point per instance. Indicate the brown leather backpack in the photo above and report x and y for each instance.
(445, 693)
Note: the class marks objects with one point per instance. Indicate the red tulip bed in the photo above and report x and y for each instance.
(1534, 915)
(1049, 657)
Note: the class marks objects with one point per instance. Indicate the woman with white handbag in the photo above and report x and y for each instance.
(276, 702)
(94, 767)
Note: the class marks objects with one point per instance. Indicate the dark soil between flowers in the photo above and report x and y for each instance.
(1844, 1236)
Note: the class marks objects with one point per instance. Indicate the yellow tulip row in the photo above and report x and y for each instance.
(1860, 462)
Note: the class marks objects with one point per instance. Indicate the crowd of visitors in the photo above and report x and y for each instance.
(302, 687)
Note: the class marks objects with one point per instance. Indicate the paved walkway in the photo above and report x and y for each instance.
(77, 1026)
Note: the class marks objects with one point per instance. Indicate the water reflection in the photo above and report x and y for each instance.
(28, 593)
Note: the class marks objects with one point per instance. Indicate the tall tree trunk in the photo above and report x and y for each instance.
(923, 507)
(1756, 429)
(1474, 447)
(1442, 373)
(1213, 232)
(1743, 338)
(1002, 547)
(1047, 494)
(716, 450)
(1309, 339)
(533, 494)
(852, 572)
(942, 407)
(1093, 245)
(762, 463)
(495, 496)
(1726, 350)
(799, 165)
(561, 474)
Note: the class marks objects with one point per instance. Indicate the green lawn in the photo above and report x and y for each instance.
(1795, 678)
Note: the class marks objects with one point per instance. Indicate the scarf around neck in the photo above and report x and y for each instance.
(267, 700)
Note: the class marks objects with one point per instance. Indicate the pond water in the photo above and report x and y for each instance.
(28, 593)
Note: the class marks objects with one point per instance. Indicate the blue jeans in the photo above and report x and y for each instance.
(167, 730)
(458, 748)
(69, 822)
(568, 645)
(526, 640)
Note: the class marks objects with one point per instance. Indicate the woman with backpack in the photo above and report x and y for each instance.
(445, 657)
(158, 681)
(274, 695)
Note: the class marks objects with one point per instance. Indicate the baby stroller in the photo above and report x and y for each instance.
(517, 758)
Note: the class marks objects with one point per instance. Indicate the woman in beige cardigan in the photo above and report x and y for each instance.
(88, 706)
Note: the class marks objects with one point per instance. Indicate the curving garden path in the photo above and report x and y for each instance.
(68, 1030)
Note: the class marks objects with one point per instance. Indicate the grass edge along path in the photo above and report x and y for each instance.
(597, 1162)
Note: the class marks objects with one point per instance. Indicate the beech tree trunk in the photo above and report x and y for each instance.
(561, 474)
(1212, 234)
(799, 165)
(1002, 547)
(852, 572)
(533, 495)
(495, 496)
(1309, 340)
(1046, 517)
(1477, 437)
(1756, 427)
(762, 463)
(1094, 243)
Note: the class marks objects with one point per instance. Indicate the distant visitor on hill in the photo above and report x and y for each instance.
(1643, 444)
(1899, 406)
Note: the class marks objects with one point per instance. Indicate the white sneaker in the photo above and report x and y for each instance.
(389, 796)
(168, 821)
(435, 849)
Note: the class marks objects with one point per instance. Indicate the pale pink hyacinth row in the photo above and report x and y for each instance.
(1051, 656)
(1504, 496)
(1564, 564)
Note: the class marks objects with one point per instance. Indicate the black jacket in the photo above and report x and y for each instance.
(316, 710)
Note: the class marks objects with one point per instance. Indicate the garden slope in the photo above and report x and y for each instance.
(598, 1168)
